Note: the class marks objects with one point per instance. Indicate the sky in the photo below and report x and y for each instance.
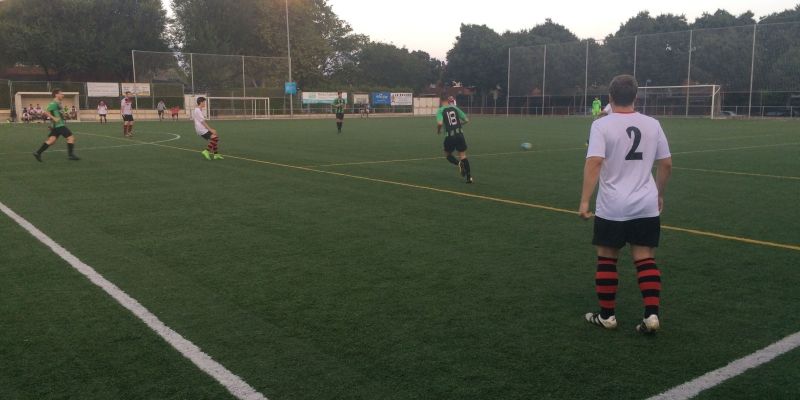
(433, 26)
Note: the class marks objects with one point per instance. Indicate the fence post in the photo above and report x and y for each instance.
(635, 53)
(689, 73)
(508, 84)
(544, 76)
(191, 69)
(586, 79)
(752, 71)
(244, 81)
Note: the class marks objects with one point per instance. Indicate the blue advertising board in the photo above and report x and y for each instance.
(381, 98)
(290, 88)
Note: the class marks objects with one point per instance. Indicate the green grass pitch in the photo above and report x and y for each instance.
(316, 283)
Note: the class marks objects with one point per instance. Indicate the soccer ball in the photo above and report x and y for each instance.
(526, 146)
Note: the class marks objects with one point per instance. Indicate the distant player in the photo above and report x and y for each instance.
(622, 150)
(452, 118)
(175, 110)
(102, 112)
(55, 112)
(161, 107)
(126, 110)
(596, 106)
(338, 108)
(205, 131)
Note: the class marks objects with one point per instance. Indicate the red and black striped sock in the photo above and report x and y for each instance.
(606, 281)
(213, 144)
(650, 285)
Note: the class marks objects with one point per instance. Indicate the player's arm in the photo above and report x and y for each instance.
(463, 116)
(439, 122)
(46, 113)
(591, 174)
(663, 173)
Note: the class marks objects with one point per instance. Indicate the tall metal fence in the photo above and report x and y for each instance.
(757, 68)
(216, 75)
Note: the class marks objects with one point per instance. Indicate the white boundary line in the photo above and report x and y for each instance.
(235, 385)
(694, 387)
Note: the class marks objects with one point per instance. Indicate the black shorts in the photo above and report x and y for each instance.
(60, 131)
(127, 118)
(639, 232)
(455, 142)
(206, 136)
(339, 115)
(160, 112)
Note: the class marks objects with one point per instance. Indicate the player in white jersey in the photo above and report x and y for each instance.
(623, 147)
(126, 110)
(102, 112)
(205, 131)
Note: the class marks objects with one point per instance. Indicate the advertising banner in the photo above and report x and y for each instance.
(381, 98)
(102, 89)
(138, 89)
(361, 98)
(321, 97)
(402, 99)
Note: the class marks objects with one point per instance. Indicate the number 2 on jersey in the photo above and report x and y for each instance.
(637, 138)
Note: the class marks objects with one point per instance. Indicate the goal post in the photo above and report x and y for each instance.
(684, 101)
(238, 107)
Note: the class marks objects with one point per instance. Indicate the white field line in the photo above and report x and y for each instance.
(234, 384)
(694, 387)
(175, 137)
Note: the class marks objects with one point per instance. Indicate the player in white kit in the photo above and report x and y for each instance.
(623, 147)
(126, 110)
(205, 131)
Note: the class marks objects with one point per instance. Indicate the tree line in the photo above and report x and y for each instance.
(83, 40)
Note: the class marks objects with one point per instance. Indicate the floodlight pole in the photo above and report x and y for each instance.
(544, 76)
(244, 84)
(635, 53)
(752, 71)
(191, 69)
(289, 55)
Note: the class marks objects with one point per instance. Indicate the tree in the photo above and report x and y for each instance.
(477, 58)
(96, 48)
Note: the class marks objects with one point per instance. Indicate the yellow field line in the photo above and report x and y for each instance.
(717, 171)
(495, 199)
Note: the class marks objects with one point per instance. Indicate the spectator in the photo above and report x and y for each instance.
(39, 114)
(25, 116)
(73, 114)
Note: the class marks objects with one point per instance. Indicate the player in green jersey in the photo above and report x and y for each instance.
(55, 112)
(452, 118)
(338, 109)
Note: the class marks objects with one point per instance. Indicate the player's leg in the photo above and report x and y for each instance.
(449, 148)
(207, 151)
(339, 121)
(608, 239)
(214, 143)
(70, 144)
(47, 143)
(463, 164)
(130, 127)
(644, 236)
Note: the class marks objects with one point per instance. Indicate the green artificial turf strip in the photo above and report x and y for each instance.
(317, 286)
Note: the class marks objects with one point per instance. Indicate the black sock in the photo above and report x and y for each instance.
(43, 148)
(452, 159)
(70, 148)
(465, 163)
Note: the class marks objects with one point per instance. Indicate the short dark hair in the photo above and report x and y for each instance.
(56, 91)
(201, 99)
(623, 90)
(127, 92)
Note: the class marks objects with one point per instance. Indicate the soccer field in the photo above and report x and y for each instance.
(360, 266)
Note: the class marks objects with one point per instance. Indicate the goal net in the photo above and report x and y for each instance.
(683, 101)
(238, 107)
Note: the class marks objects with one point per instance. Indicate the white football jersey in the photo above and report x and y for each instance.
(126, 106)
(199, 117)
(629, 143)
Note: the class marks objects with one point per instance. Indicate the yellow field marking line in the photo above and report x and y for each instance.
(493, 199)
(717, 171)
(519, 152)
